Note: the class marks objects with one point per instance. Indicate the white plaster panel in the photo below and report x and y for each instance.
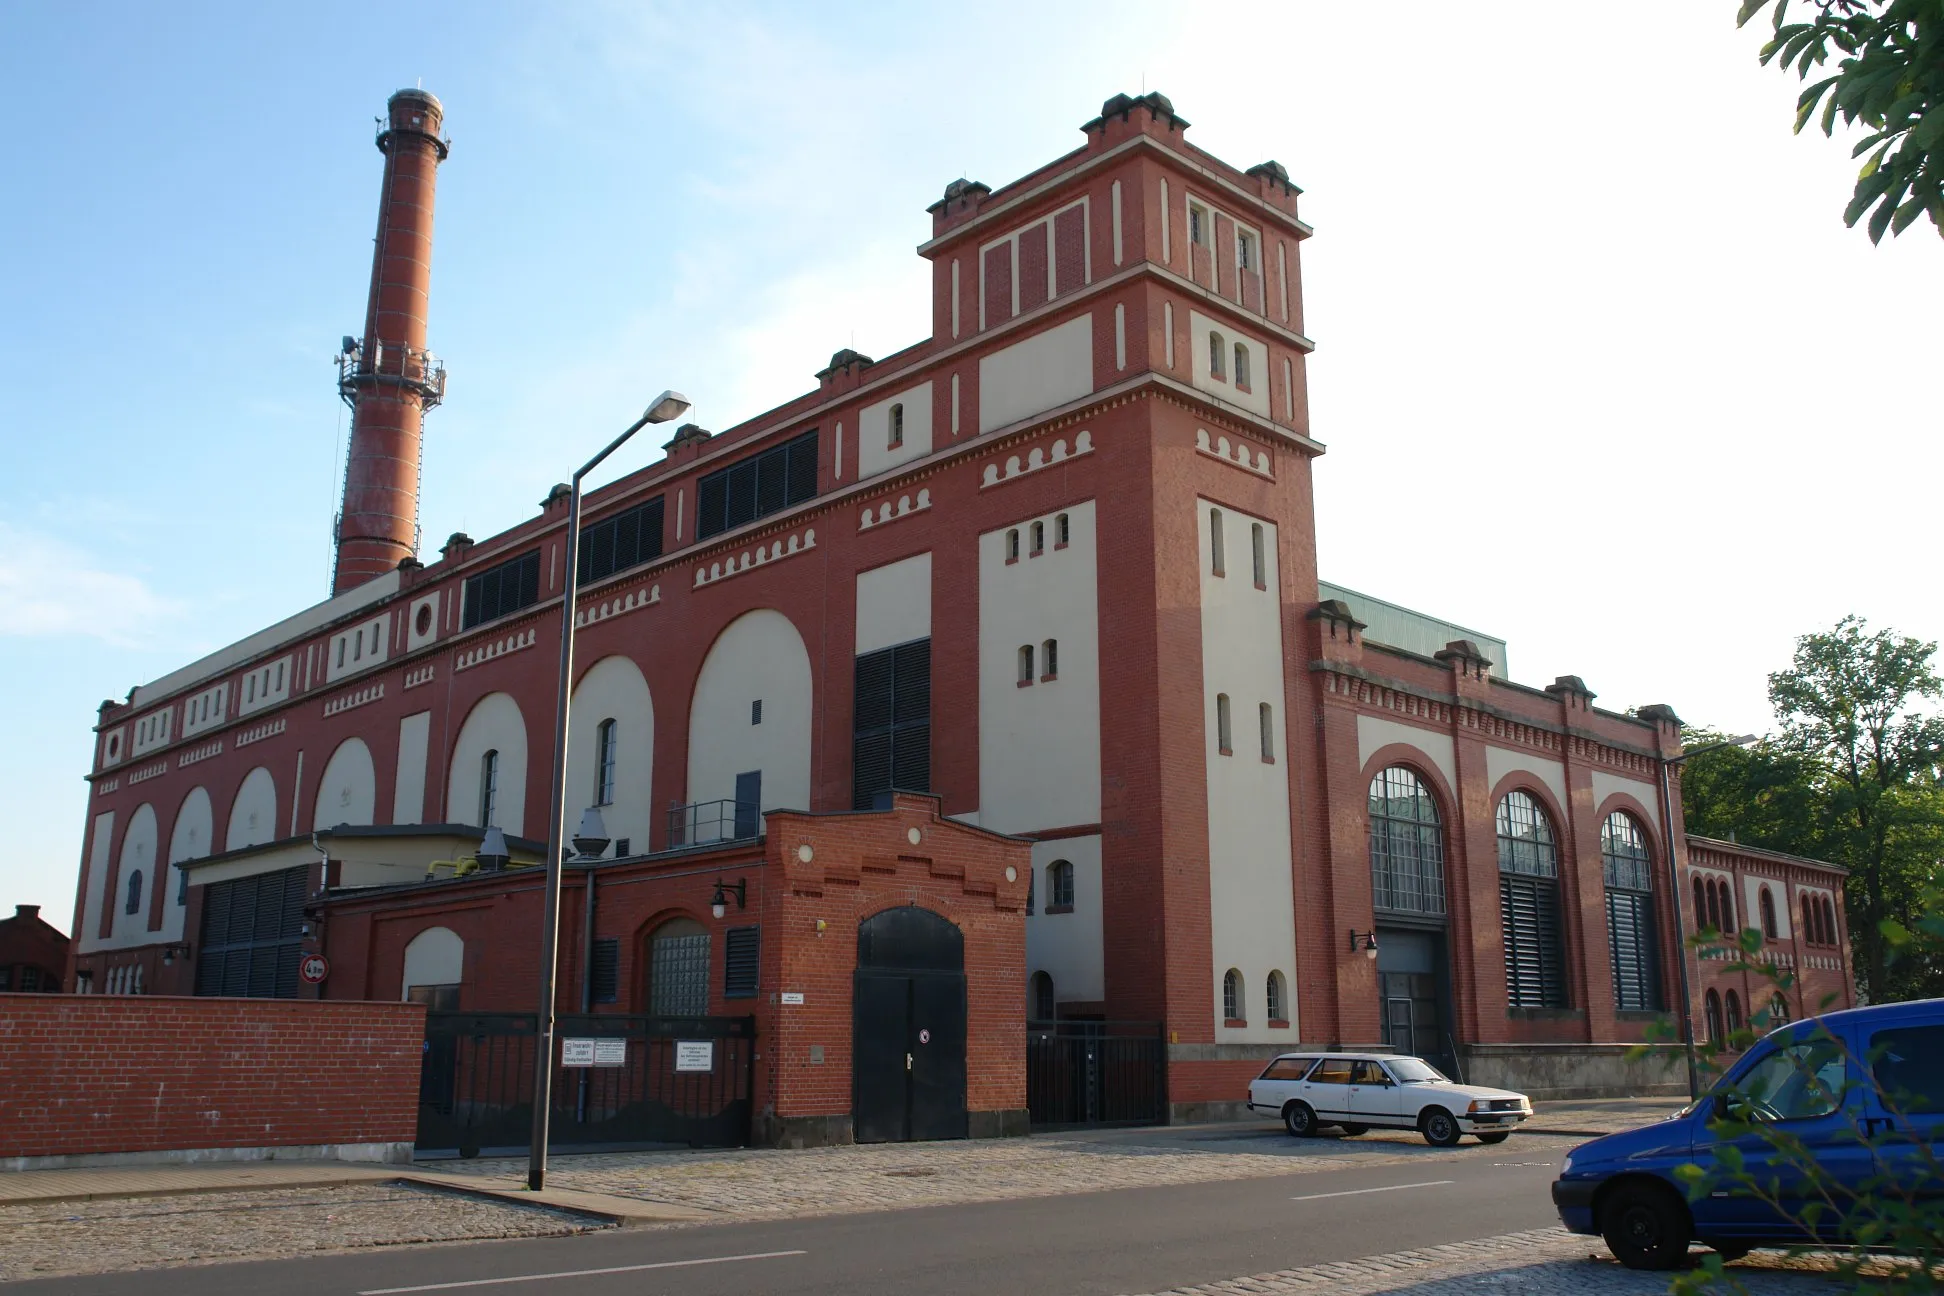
(153, 731)
(194, 834)
(875, 453)
(204, 711)
(1751, 914)
(112, 746)
(348, 792)
(613, 689)
(1039, 746)
(253, 814)
(436, 956)
(1069, 947)
(1605, 785)
(424, 611)
(1500, 761)
(759, 656)
(99, 848)
(1046, 370)
(1375, 733)
(1251, 897)
(894, 603)
(358, 648)
(408, 789)
(1256, 398)
(264, 685)
(494, 724)
(138, 854)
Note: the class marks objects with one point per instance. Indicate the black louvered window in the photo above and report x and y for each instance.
(740, 949)
(1528, 853)
(605, 983)
(891, 722)
(758, 486)
(502, 590)
(1630, 913)
(627, 539)
(253, 935)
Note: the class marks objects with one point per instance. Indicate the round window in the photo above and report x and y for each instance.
(422, 623)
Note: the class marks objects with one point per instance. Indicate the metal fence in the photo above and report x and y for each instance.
(1096, 1073)
(683, 1081)
(701, 822)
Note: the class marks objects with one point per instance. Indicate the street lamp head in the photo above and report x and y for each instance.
(668, 405)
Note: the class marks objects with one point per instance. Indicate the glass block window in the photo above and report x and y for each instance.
(678, 970)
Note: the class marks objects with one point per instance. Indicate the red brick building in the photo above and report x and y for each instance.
(1054, 565)
(33, 953)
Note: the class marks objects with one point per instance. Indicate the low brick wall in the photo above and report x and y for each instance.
(99, 1079)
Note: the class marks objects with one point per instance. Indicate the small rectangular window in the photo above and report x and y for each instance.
(756, 712)
(1216, 564)
(1244, 251)
(896, 438)
(1261, 556)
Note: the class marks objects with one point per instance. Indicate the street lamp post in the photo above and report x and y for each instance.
(666, 406)
(1674, 885)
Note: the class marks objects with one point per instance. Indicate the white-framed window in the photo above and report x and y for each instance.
(1245, 254)
(1217, 356)
(1232, 995)
(1278, 998)
(604, 745)
(1241, 365)
(1200, 228)
(895, 438)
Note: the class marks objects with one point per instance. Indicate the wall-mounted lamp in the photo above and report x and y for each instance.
(1368, 946)
(169, 953)
(719, 902)
(821, 924)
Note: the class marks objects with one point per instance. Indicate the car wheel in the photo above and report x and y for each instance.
(1646, 1227)
(1439, 1127)
(1499, 1137)
(1354, 1130)
(1299, 1120)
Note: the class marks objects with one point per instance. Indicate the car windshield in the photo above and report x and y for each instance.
(1415, 1071)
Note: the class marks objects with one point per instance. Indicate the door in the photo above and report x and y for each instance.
(1906, 1104)
(1412, 990)
(1373, 1094)
(908, 1028)
(749, 804)
(1327, 1090)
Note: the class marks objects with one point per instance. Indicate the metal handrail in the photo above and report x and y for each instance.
(726, 820)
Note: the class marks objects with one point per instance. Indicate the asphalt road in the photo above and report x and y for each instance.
(1131, 1240)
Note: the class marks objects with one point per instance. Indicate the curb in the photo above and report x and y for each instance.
(618, 1212)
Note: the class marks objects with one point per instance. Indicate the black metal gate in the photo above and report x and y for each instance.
(908, 1028)
(1096, 1073)
(666, 1080)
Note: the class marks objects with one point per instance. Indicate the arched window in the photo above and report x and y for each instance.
(604, 746)
(1223, 735)
(1059, 885)
(1039, 537)
(1012, 545)
(488, 787)
(1406, 844)
(1528, 856)
(1260, 555)
(1050, 659)
(1768, 914)
(1700, 904)
(1716, 1034)
(134, 904)
(678, 970)
(1278, 999)
(1241, 365)
(1216, 355)
(1266, 722)
(1062, 531)
(896, 437)
(1727, 898)
(1734, 1015)
(1025, 663)
(1040, 997)
(1778, 1011)
(1630, 913)
(1032, 876)
(1715, 919)
(1216, 564)
(1829, 917)
(1232, 995)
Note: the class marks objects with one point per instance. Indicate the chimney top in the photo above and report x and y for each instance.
(556, 497)
(26, 911)
(1158, 105)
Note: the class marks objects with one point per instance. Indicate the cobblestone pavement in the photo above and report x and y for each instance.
(1542, 1262)
(49, 1239)
(762, 1183)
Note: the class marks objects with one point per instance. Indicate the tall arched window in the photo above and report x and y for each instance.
(1768, 914)
(1278, 999)
(1630, 913)
(1727, 901)
(134, 904)
(1232, 995)
(1700, 904)
(1406, 844)
(1734, 1016)
(1216, 359)
(1266, 722)
(678, 969)
(1059, 885)
(1025, 663)
(1778, 1011)
(1223, 734)
(604, 749)
(1216, 564)
(1260, 555)
(1040, 997)
(1012, 545)
(1241, 365)
(1062, 531)
(1039, 537)
(488, 787)
(1716, 1034)
(1050, 659)
(896, 436)
(1528, 856)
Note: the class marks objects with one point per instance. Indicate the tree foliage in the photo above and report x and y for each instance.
(1889, 80)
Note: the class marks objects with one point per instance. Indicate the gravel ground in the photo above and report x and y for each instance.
(45, 1240)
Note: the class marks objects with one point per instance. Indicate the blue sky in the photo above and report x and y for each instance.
(1599, 367)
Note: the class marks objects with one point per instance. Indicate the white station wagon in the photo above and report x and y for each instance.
(1364, 1091)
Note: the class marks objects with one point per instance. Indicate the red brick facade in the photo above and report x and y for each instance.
(100, 1076)
(33, 953)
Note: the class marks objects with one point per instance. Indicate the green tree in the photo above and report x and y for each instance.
(1848, 707)
(1762, 795)
(1889, 79)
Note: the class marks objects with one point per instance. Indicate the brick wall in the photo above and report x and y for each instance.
(100, 1075)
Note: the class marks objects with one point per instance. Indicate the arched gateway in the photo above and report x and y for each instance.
(908, 1028)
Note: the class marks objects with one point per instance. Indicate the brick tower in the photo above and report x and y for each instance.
(387, 377)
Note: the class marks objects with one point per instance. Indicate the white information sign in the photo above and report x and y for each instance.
(793, 996)
(695, 1055)
(610, 1052)
(577, 1052)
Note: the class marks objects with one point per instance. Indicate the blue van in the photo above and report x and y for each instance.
(1806, 1078)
